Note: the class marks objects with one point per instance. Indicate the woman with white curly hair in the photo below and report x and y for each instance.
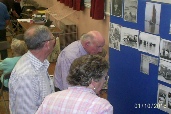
(18, 48)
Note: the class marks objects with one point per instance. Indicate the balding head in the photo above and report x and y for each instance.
(93, 42)
(36, 35)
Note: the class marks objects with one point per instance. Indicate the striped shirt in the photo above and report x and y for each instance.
(75, 100)
(65, 58)
(29, 84)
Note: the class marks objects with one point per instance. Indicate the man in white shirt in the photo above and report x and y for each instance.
(29, 82)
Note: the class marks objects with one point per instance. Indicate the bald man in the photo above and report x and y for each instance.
(89, 43)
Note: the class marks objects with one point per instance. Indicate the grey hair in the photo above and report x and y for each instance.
(86, 36)
(19, 47)
(87, 68)
(36, 35)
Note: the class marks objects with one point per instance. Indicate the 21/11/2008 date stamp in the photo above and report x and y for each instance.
(147, 105)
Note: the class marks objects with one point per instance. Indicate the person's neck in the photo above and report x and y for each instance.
(39, 54)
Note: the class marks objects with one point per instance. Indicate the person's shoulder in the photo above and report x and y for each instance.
(54, 95)
(103, 105)
(24, 62)
(2, 4)
(71, 49)
(13, 58)
(72, 45)
(6, 60)
(102, 101)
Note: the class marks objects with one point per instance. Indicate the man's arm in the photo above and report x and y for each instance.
(61, 72)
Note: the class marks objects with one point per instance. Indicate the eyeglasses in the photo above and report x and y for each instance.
(51, 39)
(106, 78)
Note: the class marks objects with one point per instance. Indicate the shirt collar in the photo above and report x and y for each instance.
(82, 88)
(36, 62)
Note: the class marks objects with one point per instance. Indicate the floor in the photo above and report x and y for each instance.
(2, 106)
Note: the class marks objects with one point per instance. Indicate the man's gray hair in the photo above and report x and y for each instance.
(36, 36)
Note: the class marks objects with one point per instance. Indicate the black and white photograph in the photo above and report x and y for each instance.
(164, 72)
(130, 10)
(154, 60)
(169, 100)
(152, 17)
(145, 61)
(129, 37)
(162, 97)
(116, 8)
(165, 49)
(149, 43)
(115, 36)
(144, 66)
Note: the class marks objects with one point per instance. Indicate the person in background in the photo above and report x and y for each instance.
(17, 8)
(10, 7)
(87, 75)
(20, 37)
(89, 43)
(29, 82)
(8, 3)
(18, 48)
(4, 21)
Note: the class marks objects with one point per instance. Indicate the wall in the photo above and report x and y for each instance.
(82, 19)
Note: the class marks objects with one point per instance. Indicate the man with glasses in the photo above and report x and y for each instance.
(30, 83)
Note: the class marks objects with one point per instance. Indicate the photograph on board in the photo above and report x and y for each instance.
(152, 17)
(165, 49)
(129, 37)
(169, 100)
(116, 8)
(164, 98)
(146, 60)
(144, 66)
(130, 10)
(114, 36)
(149, 43)
(164, 71)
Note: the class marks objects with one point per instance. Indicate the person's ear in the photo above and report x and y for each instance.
(46, 45)
(93, 82)
(87, 43)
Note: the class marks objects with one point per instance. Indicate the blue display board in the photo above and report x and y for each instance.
(129, 90)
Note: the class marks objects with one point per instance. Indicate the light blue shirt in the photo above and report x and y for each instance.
(29, 84)
(7, 66)
(65, 58)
